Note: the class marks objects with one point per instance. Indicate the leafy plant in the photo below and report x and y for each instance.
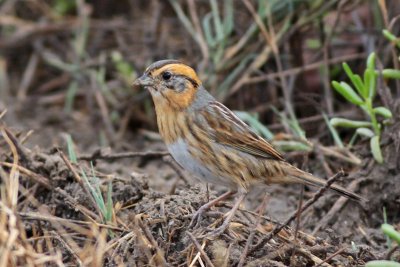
(363, 96)
(214, 33)
(105, 207)
(93, 184)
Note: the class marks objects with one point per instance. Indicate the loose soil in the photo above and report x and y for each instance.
(153, 204)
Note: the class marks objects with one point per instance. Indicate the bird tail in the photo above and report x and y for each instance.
(298, 176)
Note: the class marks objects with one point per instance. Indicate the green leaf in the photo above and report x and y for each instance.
(391, 232)
(376, 149)
(356, 80)
(384, 112)
(391, 74)
(365, 132)
(340, 122)
(370, 82)
(382, 263)
(391, 37)
(347, 92)
(371, 61)
(292, 146)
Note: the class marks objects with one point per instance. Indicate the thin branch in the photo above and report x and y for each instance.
(316, 196)
(198, 247)
(98, 154)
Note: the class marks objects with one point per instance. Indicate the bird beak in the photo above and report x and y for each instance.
(145, 81)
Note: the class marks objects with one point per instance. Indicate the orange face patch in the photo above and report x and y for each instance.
(178, 69)
(180, 100)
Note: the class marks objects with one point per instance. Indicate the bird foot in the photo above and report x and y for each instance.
(197, 216)
(218, 231)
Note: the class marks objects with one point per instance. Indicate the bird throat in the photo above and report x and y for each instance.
(171, 124)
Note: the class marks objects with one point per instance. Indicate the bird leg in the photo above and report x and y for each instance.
(217, 232)
(196, 218)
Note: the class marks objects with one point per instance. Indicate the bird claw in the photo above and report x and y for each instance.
(196, 218)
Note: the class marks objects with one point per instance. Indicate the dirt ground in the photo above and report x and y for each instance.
(154, 203)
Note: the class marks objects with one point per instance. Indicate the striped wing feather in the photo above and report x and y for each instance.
(227, 129)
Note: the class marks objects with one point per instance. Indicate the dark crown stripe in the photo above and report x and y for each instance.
(161, 63)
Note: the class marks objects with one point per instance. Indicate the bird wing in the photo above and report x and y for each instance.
(227, 129)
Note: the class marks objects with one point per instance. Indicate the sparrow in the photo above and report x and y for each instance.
(209, 141)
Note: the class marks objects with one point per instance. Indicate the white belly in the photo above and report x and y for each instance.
(180, 153)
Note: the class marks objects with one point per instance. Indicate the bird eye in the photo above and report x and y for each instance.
(166, 75)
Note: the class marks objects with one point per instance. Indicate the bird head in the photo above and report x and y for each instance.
(171, 83)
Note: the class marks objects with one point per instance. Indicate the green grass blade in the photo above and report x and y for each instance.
(98, 199)
(71, 150)
(70, 97)
(183, 18)
(228, 17)
(218, 27)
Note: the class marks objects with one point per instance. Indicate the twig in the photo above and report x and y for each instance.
(331, 256)
(22, 151)
(299, 211)
(326, 54)
(305, 68)
(316, 196)
(30, 174)
(150, 238)
(391, 251)
(335, 208)
(251, 236)
(67, 247)
(3, 113)
(98, 154)
(68, 222)
(272, 41)
(199, 34)
(312, 257)
(104, 111)
(76, 206)
(275, 253)
(197, 245)
(28, 76)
